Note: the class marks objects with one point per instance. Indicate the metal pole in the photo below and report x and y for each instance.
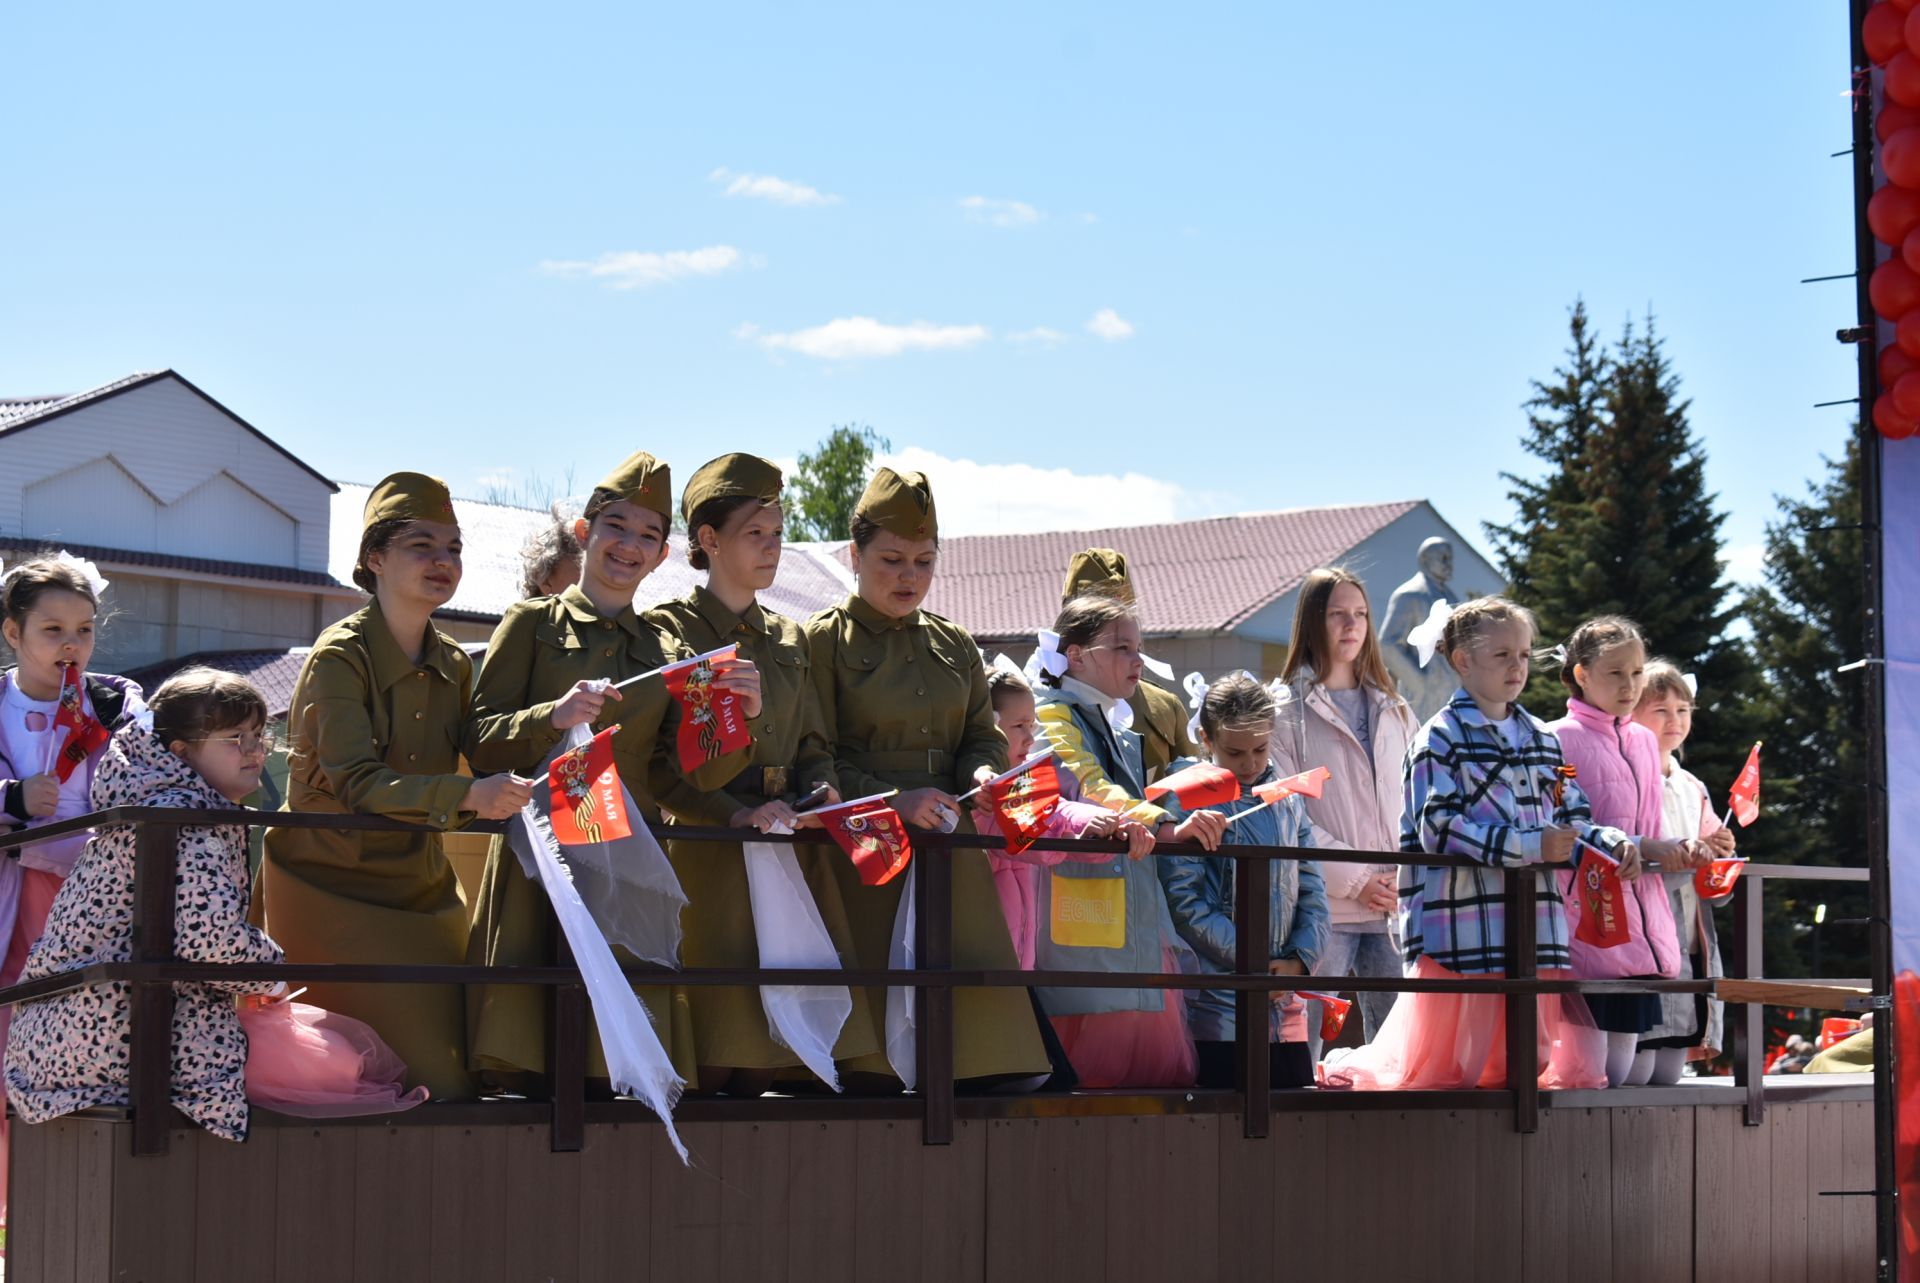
(1873, 639)
(933, 925)
(1523, 1009)
(1252, 1008)
(150, 1053)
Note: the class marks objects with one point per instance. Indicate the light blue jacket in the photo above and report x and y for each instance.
(1200, 897)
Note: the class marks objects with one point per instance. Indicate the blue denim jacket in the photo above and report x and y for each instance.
(1200, 897)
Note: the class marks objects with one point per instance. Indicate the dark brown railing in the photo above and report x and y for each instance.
(153, 969)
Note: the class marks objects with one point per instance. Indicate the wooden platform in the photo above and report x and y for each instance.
(1640, 1194)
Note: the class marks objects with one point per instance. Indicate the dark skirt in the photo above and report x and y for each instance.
(1625, 1013)
(1289, 1064)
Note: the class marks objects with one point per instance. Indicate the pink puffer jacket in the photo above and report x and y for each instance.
(1618, 761)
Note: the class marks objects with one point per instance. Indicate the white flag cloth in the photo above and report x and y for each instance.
(902, 1050)
(631, 903)
(805, 1019)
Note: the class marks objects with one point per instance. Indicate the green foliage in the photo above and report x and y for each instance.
(827, 483)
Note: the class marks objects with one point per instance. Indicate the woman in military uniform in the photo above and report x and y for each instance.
(374, 729)
(904, 696)
(1158, 714)
(534, 686)
(733, 515)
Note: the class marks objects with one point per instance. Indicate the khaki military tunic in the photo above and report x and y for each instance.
(906, 703)
(790, 755)
(1161, 720)
(541, 648)
(373, 733)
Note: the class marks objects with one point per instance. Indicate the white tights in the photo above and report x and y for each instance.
(1628, 1066)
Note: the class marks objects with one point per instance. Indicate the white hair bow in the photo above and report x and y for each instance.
(1558, 654)
(1001, 664)
(1195, 686)
(1425, 637)
(88, 571)
(1693, 685)
(1052, 660)
(1158, 667)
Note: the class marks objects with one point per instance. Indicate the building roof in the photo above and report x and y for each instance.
(110, 557)
(810, 576)
(273, 671)
(1190, 576)
(20, 413)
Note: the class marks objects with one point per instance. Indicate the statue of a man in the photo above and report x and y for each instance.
(1425, 690)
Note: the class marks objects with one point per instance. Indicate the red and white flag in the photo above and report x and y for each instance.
(588, 802)
(1198, 786)
(1743, 798)
(1306, 784)
(873, 836)
(1023, 799)
(1714, 881)
(1603, 899)
(1333, 1013)
(85, 734)
(712, 723)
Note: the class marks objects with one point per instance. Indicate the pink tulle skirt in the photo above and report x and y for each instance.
(1451, 1041)
(314, 1063)
(1132, 1048)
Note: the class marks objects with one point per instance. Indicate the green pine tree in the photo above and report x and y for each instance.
(1808, 619)
(827, 483)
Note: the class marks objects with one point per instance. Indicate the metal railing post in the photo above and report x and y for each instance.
(1523, 1008)
(1252, 929)
(150, 1049)
(1749, 1025)
(933, 951)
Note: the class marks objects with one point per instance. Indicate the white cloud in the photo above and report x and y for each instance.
(1044, 335)
(1109, 325)
(766, 187)
(1000, 213)
(996, 498)
(850, 338)
(638, 269)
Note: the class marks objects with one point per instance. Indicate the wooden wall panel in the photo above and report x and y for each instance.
(1652, 1191)
(237, 1207)
(153, 1207)
(1733, 1166)
(616, 1194)
(1786, 1130)
(1567, 1197)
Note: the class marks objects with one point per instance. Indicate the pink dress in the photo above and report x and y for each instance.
(1016, 877)
(314, 1063)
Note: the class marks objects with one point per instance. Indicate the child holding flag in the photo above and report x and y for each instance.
(733, 514)
(1016, 873)
(1690, 1025)
(1485, 779)
(543, 675)
(1236, 729)
(1110, 916)
(55, 719)
(1618, 765)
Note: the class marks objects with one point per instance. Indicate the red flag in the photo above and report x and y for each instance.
(1022, 801)
(1836, 1029)
(1333, 1013)
(1603, 900)
(588, 802)
(1201, 785)
(1744, 797)
(1906, 1114)
(1714, 881)
(1307, 784)
(712, 723)
(85, 734)
(873, 836)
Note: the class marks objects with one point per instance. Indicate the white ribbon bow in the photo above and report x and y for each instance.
(1158, 667)
(1425, 637)
(1195, 686)
(88, 571)
(1052, 659)
(1002, 664)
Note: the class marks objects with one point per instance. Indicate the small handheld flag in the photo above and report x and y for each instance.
(1333, 1013)
(588, 803)
(712, 723)
(85, 734)
(1201, 785)
(1023, 800)
(1715, 880)
(1274, 792)
(872, 834)
(1743, 799)
(1603, 908)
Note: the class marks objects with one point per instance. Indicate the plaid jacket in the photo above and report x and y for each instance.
(1469, 792)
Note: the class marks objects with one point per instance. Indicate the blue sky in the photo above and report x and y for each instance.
(1201, 258)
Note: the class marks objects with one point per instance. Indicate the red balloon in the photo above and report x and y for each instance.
(1900, 157)
(1893, 364)
(1892, 117)
(1893, 425)
(1903, 79)
(1906, 396)
(1892, 213)
(1884, 33)
(1901, 5)
(1906, 332)
(1910, 29)
(1894, 289)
